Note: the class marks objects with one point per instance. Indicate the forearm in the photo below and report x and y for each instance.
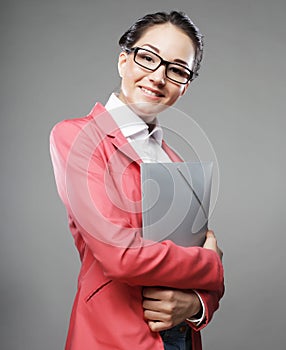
(109, 222)
(211, 301)
(153, 265)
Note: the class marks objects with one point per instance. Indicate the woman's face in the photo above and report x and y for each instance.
(147, 93)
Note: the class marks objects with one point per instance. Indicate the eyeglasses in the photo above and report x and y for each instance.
(151, 61)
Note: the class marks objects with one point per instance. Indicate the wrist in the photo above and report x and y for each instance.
(195, 306)
(198, 314)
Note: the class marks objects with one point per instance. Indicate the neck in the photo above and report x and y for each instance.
(151, 126)
(148, 119)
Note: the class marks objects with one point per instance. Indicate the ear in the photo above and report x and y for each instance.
(122, 59)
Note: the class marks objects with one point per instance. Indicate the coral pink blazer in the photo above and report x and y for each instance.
(97, 174)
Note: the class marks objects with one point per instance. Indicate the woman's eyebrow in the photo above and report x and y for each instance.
(152, 47)
(176, 60)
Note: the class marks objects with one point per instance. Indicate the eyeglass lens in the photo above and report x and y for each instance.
(152, 61)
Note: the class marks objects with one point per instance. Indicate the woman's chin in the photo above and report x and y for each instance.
(147, 110)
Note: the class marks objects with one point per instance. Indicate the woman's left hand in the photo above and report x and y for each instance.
(165, 308)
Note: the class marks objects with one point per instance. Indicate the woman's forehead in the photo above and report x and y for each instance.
(169, 40)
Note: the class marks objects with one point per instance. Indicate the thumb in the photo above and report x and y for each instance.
(210, 242)
(210, 234)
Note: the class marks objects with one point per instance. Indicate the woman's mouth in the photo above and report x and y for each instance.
(151, 92)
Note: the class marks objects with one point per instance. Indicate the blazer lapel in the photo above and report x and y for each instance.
(122, 145)
(173, 156)
(108, 126)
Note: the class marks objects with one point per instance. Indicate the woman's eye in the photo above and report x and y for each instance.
(178, 71)
(145, 56)
(148, 58)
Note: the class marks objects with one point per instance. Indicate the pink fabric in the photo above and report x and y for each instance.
(98, 179)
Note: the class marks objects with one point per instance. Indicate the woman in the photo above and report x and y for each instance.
(96, 162)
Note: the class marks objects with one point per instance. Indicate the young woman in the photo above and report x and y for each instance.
(96, 162)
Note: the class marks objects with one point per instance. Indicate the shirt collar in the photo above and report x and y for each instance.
(130, 124)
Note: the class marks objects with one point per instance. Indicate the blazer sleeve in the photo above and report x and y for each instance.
(85, 187)
(211, 301)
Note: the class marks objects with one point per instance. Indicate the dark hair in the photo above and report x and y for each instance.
(179, 19)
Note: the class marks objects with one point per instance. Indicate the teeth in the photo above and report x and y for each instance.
(150, 92)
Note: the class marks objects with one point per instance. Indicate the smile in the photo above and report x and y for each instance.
(151, 92)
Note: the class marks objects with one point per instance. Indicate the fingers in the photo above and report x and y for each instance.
(157, 326)
(152, 293)
(166, 302)
(152, 315)
(158, 308)
(152, 305)
(159, 293)
(158, 320)
(210, 234)
(211, 243)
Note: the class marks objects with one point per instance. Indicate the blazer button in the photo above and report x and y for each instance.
(183, 329)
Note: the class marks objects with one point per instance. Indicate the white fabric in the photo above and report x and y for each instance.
(147, 145)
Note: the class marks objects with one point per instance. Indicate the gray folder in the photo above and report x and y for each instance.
(175, 201)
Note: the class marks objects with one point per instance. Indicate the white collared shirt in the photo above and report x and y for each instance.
(147, 145)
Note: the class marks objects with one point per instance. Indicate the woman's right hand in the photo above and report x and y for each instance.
(211, 243)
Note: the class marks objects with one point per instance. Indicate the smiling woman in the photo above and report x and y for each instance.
(96, 162)
(151, 84)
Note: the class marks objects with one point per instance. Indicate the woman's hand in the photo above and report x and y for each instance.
(211, 243)
(165, 308)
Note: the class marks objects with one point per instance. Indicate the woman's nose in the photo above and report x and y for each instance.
(158, 76)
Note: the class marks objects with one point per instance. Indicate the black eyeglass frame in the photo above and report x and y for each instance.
(162, 62)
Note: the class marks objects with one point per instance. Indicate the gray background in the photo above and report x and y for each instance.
(57, 59)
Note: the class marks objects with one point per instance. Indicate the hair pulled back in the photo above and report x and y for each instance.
(179, 19)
